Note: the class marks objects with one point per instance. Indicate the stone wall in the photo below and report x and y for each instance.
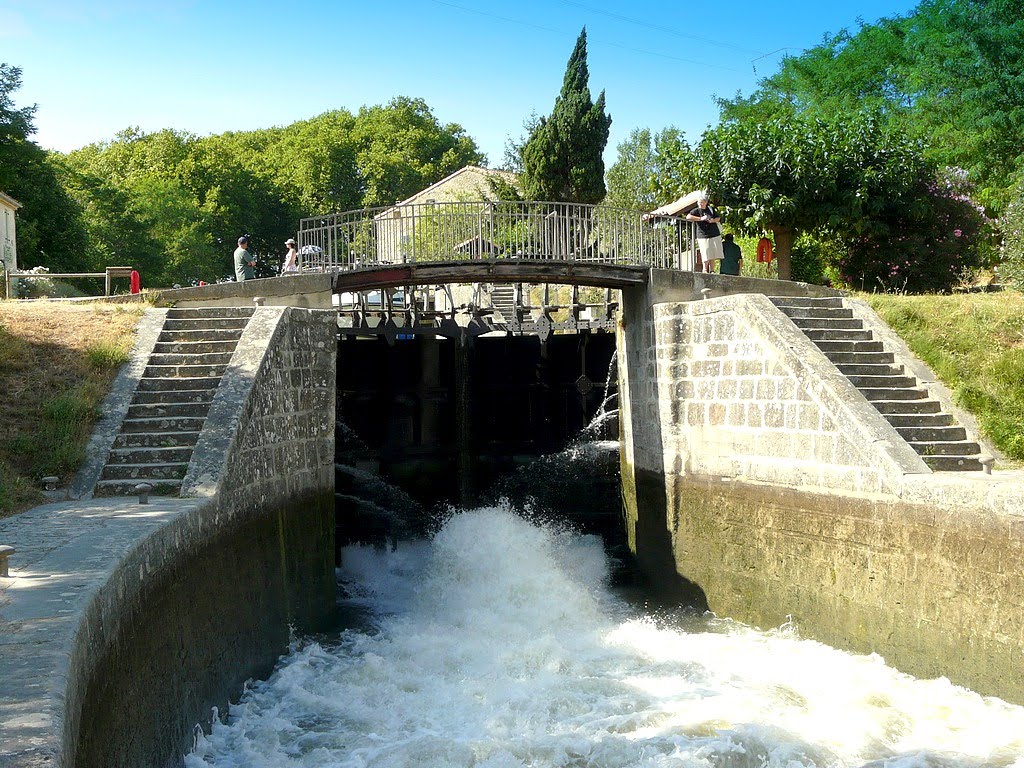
(124, 625)
(759, 484)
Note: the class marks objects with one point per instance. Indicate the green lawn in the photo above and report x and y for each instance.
(975, 344)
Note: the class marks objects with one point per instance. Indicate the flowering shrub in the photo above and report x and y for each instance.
(1011, 252)
(924, 243)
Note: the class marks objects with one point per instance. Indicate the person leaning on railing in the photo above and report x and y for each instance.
(709, 236)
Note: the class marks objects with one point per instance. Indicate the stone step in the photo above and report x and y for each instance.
(194, 347)
(882, 382)
(177, 313)
(806, 301)
(860, 358)
(145, 472)
(932, 433)
(167, 410)
(178, 384)
(827, 323)
(843, 334)
(907, 407)
(953, 463)
(161, 487)
(205, 323)
(177, 454)
(849, 346)
(178, 358)
(156, 439)
(181, 424)
(947, 448)
(886, 393)
(919, 419)
(182, 371)
(174, 396)
(818, 312)
(206, 335)
(869, 369)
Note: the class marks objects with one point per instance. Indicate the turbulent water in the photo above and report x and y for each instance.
(497, 644)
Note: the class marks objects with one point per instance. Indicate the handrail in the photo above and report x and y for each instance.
(12, 276)
(465, 230)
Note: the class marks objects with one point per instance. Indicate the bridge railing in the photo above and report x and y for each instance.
(453, 231)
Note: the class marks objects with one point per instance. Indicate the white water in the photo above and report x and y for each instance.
(497, 645)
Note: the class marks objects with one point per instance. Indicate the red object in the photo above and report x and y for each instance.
(136, 281)
(202, 283)
(764, 251)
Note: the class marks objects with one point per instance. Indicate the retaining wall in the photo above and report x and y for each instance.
(123, 625)
(758, 483)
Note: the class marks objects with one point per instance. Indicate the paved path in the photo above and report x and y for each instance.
(65, 553)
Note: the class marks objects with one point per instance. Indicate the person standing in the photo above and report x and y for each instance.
(732, 256)
(244, 261)
(709, 236)
(291, 259)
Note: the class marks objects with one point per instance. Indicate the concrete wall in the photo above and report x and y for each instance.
(759, 484)
(123, 625)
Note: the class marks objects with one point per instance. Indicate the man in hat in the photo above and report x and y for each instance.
(709, 236)
(244, 261)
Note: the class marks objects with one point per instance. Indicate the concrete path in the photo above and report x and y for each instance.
(65, 553)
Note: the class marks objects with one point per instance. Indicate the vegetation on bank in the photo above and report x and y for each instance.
(975, 344)
(57, 362)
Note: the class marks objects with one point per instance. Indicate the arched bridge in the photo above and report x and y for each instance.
(402, 261)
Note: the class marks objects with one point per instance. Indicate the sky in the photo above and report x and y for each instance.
(96, 68)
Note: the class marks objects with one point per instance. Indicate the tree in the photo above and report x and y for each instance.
(49, 227)
(563, 158)
(802, 174)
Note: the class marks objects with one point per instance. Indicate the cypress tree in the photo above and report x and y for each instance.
(563, 158)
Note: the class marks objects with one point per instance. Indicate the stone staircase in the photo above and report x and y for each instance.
(898, 396)
(166, 414)
(503, 300)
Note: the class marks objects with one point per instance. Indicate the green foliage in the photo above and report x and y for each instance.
(49, 231)
(975, 345)
(1011, 227)
(173, 205)
(108, 354)
(563, 158)
(951, 74)
(650, 170)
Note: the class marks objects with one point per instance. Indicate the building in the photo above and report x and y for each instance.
(8, 241)
(443, 218)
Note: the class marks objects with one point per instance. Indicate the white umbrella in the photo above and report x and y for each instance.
(682, 205)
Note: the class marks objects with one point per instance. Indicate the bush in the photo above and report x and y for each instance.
(924, 244)
(1011, 251)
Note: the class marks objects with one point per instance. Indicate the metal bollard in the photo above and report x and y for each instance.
(5, 552)
(143, 489)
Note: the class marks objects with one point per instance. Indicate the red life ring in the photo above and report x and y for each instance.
(764, 251)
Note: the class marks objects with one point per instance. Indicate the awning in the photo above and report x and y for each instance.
(680, 206)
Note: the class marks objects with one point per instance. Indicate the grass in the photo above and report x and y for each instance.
(975, 344)
(57, 361)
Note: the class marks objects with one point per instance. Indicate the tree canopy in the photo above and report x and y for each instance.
(563, 157)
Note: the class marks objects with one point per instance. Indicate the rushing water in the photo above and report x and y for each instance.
(498, 644)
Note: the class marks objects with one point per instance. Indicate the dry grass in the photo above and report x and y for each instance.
(57, 361)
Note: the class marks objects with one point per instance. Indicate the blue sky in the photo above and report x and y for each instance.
(94, 69)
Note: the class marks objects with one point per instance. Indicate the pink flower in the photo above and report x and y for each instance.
(957, 232)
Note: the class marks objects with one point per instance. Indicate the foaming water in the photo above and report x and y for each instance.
(497, 644)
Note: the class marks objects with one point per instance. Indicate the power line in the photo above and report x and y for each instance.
(703, 64)
(659, 28)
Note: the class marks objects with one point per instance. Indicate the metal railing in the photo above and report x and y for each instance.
(455, 231)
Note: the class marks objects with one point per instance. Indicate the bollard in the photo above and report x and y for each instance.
(5, 552)
(143, 489)
(986, 463)
(705, 292)
(50, 482)
(259, 300)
